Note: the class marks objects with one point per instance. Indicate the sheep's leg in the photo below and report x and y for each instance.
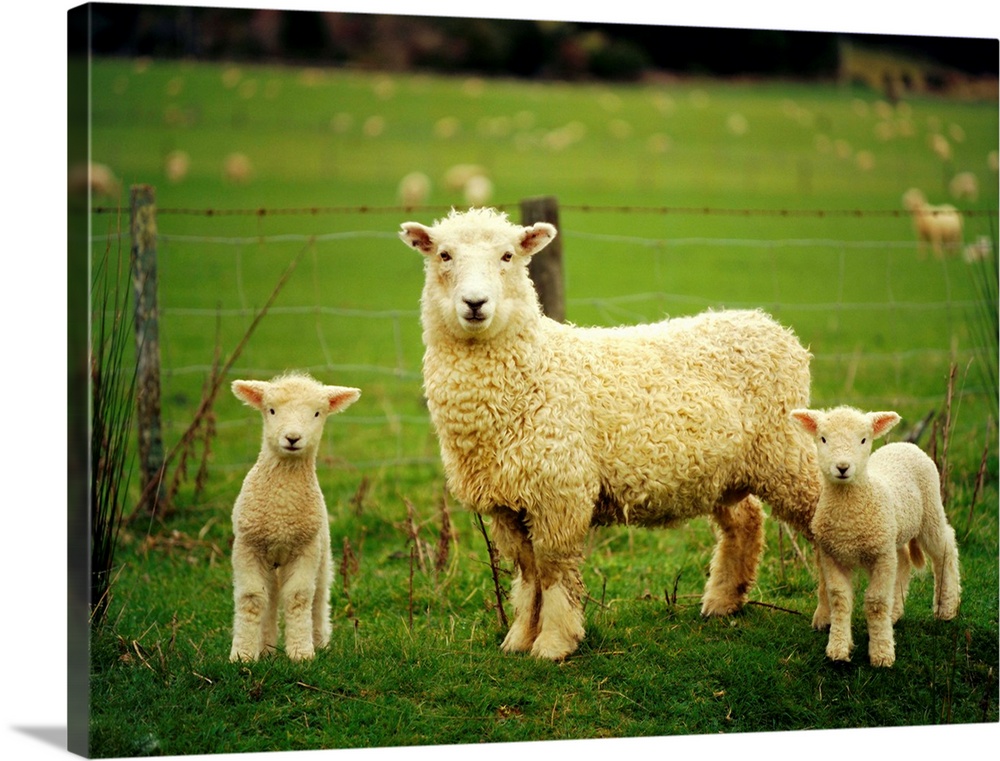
(733, 570)
(878, 610)
(298, 590)
(558, 537)
(561, 616)
(840, 594)
(321, 600)
(251, 596)
(511, 537)
(943, 549)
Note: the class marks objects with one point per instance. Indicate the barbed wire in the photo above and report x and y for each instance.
(586, 208)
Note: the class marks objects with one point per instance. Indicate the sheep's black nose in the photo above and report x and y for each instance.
(475, 304)
(292, 440)
(843, 469)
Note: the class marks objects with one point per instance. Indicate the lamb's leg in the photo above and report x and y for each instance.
(511, 537)
(269, 619)
(733, 570)
(298, 590)
(840, 593)
(879, 609)
(251, 588)
(321, 600)
(902, 585)
(943, 549)
(821, 616)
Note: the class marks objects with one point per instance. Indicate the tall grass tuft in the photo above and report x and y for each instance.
(113, 382)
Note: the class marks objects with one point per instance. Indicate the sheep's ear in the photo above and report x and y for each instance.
(417, 236)
(536, 237)
(341, 397)
(250, 392)
(882, 422)
(808, 419)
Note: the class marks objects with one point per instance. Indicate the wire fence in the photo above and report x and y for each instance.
(883, 321)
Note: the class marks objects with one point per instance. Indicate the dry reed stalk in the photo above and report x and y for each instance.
(494, 569)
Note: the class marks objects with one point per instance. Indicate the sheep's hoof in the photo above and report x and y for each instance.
(244, 656)
(552, 649)
(518, 640)
(301, 653)
(840, 653)
(710, 608)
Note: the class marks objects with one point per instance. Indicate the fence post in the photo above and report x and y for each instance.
(546, 267)
(142, 217)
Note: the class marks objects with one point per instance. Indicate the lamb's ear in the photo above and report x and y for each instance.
(536, 237)
(882, 422)
(250, 392)
(417, 236)
(808, 419)
(342, 397)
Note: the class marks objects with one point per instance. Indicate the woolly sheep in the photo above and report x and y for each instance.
(881, 512)
(281, 549)
(940, 226)
(549, 428)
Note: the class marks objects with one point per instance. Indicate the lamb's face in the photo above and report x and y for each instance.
(476, 269)
(294, 409)
(844, 438)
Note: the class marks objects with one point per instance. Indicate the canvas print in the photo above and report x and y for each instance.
(448, 381)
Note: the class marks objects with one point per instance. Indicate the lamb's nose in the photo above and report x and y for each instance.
(292, 440)
(843, 469)
(475, 304)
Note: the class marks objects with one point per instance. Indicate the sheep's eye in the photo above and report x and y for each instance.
(507, 256)
(317, 414)
(864, 439)
(272, 410)
(823, 439)
(444, 256)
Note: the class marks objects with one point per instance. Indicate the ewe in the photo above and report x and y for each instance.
(880, 512)
(549, 429)
(281, 551)
(940, 226)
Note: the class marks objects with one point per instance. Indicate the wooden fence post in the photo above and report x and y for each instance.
(142, 208)
(546, 267)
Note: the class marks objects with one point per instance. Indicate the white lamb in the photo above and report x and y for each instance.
(881, 512)
(548, 428)
(940, 226)
(281, 551)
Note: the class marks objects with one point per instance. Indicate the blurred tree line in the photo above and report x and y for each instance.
(535, 49)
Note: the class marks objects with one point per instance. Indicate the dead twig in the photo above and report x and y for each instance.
(491, 551)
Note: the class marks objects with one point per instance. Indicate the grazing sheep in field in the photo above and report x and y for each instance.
(281, 549)
(549, 429)
(881, 512)
(964, 186)
(96, 179)
(176, 165)
(414, 189)
(940, 226)
(237, 169)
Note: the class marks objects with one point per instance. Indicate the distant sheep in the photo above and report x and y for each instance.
(281, 547)
(880, 512)
(940, 226)
(964, 186)
(95, 179)
(237, 169)
(176, 165)
(549, 429)
(414, 189)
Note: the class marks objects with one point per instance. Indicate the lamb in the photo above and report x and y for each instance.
(548, 428)
(281, 549)
(881, 512)
(940, 226)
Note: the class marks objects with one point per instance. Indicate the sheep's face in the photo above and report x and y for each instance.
(844, 438)
(294, 409)
(476, 269)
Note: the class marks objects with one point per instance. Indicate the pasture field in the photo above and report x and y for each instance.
(675, 196)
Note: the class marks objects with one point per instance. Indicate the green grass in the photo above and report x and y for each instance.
(415, 657)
